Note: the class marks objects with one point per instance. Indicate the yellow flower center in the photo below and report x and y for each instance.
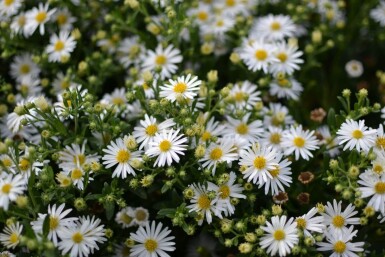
(203, 16)
(338, 221)
(62, 19)
(216, 154)
(283, 82)
(225, 191)
(140, 215)
(378, 169)
(76, 174)
(65, 84)
(151, 129)
(230, 2)
(275, 26)
(118, 101)
(275, 138)
(239, 96)
(380, 188)
(301, 223)
(380, 142)
(274, 172)
(77, 237)
(123, 156)
(126, 218)
(299, 142)
(259, 162)
(165, 145)
(261, 55)
(6, 162)
(21, 21)
(24, 164)
(220, 23)
(206, 136)
(25, 69)
(145, 86)
(59, 45)
(282, 57)
(53, 222)
(79, 159)
(279, 234)
(41, 17)
(180, 87)
(150, 245)
(357, 134)
(8, 2)
(6, 188)
(14, 238)
(242, 129)
(204, 202)
(160, 59)
(339, 247)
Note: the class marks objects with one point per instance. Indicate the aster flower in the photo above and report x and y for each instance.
(274, 27)
(308, 223)
(251, 131)
(373, 185)
(272, 137)
(288, 59)
(11, 235)
(287, 88)
(9, 8)
(64, 19)
(218, 153)
(258, 55)
(378, 13)
(141, 216)
(125, 217)
(24, 67)
(181, 88)
(74, 156)
(37, 18)
(354, 68)
(11, 186)
(277, 115)
(328, 140)
(61, 46)
(280, 176)
(245, 95)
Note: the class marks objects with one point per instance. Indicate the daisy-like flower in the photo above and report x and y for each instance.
(167, 146)
(354, 68)
(10, 7)
(380, 139)
(152, 241)
(10, 237)
(181, 88)
(272, 137)
(201, 14)
(145, 133)
(204, 204)
(300, 142)
(11, 186)
(167, 59)
(288, 88)
(337, 220)
(328, 140)
(141, 216)
(250, 131)
(280, 176)
(378, 164)
(378, 13)
(281, 235)
(28, 87)
(130, 51)
(227, 190)
(288, 59)
(64, 19)
(82, 238)
(356, 135)
(259, 161)
(218, 153)
(125, 217)
(244, 95)
(374, 187)
(18, 24)
(61, 46)
(213, 129)
(277, 115)
(57, 222)
(38, 17)
(74, 157)
(24, 67)
(218, 25)
(308, 223)
(341, 244)
(117, 153)
(7, 254)
(274, 27)
(117, 97)
(258, 55)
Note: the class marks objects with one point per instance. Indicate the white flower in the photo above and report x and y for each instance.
(356, 135)
(258, 55)
(118, 154)
(280, 176)
(378, 13)
(288, 59)
(117, 97)
(328, 140)
(167, 59)
(245, 95)
(11, 235)
(374, 187)
(167, 146)
(308, 223)
(130, 51)
(152, 241)
(281, 236)
(73, 157)
(11, 186)
(57, 222)
(277, 115)
(272, 137)
(380, 139)
(64, 19)
(341, 244)
(10, 7)
(300, 142)
(181, 88)
(274, 27)
(288, 88)
(354, 68)
(24, 67)
(213, 129)
(251, 131)
(37, 17)
(60, 47)
(80, 239)
(141, 216)
(218, 153)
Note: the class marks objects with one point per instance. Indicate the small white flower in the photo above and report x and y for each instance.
(288, 59)
(308, 223)
(60, 46)
(24, 67)
(258, 55)
(373, 186)
(288, 88)
(218, 153)
(274, 27)
(280, 176)
(356, 135)
(354, 68)
(38, 17)
(245, 95)
(181, 88)
(11, 235)
(251, 131)
(378, 13)
(11, 186)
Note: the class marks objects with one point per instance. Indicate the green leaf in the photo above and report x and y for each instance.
(168, 212)
(46, 225)
(331, 119)
(110, 208)
(164, 189)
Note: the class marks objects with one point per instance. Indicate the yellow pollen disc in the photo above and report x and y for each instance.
(275, 26)
(59, 45)
(216, 154)
(261, 55)
(6, 162)
(380, 142)
(14, 238)
(225, 191)
(8, 2)
(24, 164)
(134, 50)
(339, 247)
(357, 134)
(275, 138)
(203, 16)
(299, 141)
(204, 202)
(151, 129)
(150, 245)
(230, 2)
(242, 129)
(123, 156)
(301, 223)
(165, 145)
(77, 237)
(118, 101)
(279, 234)
(282, 57)
(140, 215)
(125, 218)
(145, 86)
(380, 188)
(220, 23)
(274, 172)
(41, 17)
(160, 59)
(180, 87)
(6, 188)
(378, 169)
(21, 21)
(338, 221)
(62, 19)
(64, 84)
(25, 69)
(239, 96)
(206, 136)
(259, 162)
(283, 82)
(79, 159)
(76, 174)
(53, 222)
